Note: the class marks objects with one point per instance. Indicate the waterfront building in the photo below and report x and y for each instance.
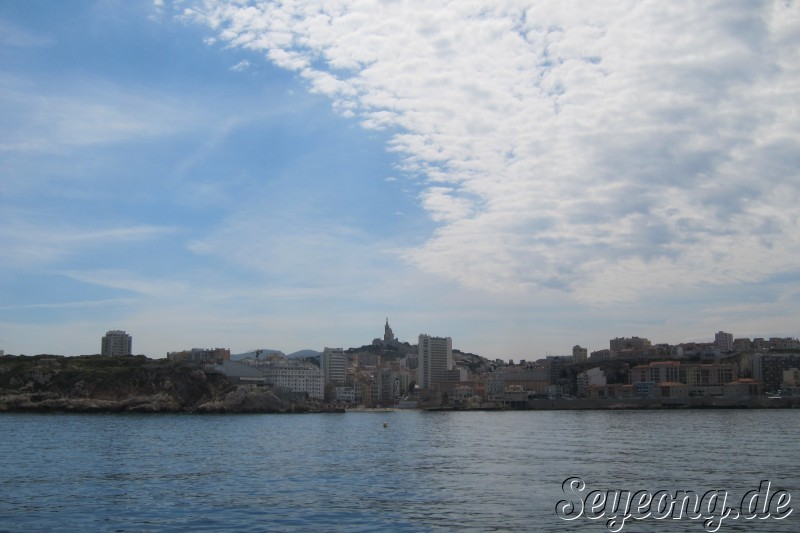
(769, 368)
(615, 391)
(699, 379)
(387, 387)
(555, 364)
(656, 372)
(791, 379)
(296, 376)
(115, 343)
(345, 394)
(239, 373)
(743, 387)
(592, 376)
(435, 359)
(333, 363)
(534, 379)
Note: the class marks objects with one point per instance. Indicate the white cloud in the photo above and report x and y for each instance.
(241, 66)
(129, 281)
(603, 149)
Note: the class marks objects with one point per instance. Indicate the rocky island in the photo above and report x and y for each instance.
(93, 383)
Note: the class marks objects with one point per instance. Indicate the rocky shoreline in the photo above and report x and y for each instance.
(95, 384)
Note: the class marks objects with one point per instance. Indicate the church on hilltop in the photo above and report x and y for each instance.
(388, 337)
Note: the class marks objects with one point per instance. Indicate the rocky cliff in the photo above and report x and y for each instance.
(128, 384)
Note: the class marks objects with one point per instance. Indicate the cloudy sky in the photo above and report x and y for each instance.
(521, 176)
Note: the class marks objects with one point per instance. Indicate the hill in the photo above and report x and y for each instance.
(304, 354)
(261, 352)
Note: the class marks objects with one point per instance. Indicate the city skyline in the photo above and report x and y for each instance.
(521, 177)
(723, 341)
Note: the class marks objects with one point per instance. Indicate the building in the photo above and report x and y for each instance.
(769, 369)
(239, 373)
(743, 387)
(555, 364)
(388, 337)
(666, 371)
(116, 343)
(532, 379)
(724, 341)
(435, 359)
(333, 363)
(591, 377)
(386, 386)
(201, 356)
(699, 379)
(611, 391)
(345, 394)
(742, 344)
(296, 376)
(630, 347)
(602, 355)
(579, 354)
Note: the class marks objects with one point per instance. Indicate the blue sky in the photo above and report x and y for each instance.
(520, 176)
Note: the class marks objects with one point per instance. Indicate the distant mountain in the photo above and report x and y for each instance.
(261, 353)
(303, 354)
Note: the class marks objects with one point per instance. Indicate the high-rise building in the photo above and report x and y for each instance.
(333, 362)
(435, 359)
(116, 342)
(724, 341)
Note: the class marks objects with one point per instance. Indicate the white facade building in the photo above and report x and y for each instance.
(116, 342)
(333, 362)
(295, 376)
(592, 376)
(435, 359)
(724, 341)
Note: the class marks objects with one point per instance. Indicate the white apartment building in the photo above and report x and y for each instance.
(333, 363)
(116, 342)
(295, 376)
(724, 341)
(435, 359)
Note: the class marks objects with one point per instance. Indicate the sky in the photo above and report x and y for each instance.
(521, 176)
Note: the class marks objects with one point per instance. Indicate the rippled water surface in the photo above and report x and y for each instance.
(478, 471)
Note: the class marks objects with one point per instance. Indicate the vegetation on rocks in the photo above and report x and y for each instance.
(126, 384)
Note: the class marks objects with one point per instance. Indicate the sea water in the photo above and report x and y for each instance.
(391, 471)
